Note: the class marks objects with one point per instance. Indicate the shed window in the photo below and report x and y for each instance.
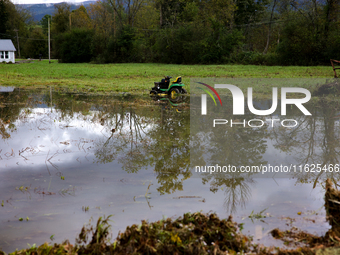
(1, 54)
(6, 54)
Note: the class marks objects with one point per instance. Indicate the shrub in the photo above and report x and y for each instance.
(74, 46)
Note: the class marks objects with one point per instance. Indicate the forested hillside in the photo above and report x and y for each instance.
(270, 32)
(40, 10)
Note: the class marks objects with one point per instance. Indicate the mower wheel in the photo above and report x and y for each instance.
(153, 93)
(174, 93)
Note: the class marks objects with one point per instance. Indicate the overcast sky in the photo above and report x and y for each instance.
(44, 1)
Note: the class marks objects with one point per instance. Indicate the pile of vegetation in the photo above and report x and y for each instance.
(197, 233)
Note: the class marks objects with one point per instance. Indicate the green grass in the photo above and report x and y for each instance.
(135, 78)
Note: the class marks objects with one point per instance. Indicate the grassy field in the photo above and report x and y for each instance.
(135, 78)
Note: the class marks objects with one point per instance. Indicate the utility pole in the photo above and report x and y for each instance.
(49, 41)
(16, 30)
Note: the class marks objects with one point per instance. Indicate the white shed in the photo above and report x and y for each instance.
(7, 50)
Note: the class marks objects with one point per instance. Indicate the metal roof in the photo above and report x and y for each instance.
(6, 45)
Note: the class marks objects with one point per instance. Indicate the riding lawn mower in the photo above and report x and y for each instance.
(174, 90)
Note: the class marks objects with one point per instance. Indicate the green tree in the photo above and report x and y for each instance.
(126, 10)
(170, 12)
(44, 23)
(3, 18)
(249, 11)
(74, 46)
(148, 16)
(37, 44)
(79, 18)
(19, 19)
(61, 18)
(121, 47)
(218, 11)
(302, 42)
(103, 25)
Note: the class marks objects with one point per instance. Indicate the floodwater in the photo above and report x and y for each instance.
(67, 158)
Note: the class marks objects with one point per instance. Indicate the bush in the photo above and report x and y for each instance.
(192, 44)
(220, 44)
(254, 58)
(120, 48)
(74, 46)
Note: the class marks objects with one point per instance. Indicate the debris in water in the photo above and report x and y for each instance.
(198, 233)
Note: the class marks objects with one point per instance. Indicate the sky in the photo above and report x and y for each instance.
(45, 1)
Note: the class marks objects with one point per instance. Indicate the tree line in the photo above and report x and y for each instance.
(268, 32)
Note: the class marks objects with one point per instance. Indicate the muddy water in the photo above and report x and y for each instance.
(66, 158)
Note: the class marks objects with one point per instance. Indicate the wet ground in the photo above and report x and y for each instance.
(66, 158)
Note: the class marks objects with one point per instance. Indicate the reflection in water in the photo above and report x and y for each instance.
(61, 152)
(315, 142)
(310, 147)
(237, 191)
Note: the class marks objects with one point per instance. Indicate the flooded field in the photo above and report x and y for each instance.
(66, 158)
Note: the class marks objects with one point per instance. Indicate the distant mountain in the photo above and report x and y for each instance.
(40, 10)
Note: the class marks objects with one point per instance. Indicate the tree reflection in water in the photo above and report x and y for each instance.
(140, 134)
(316, 140)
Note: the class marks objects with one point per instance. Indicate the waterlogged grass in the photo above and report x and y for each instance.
(136, 78)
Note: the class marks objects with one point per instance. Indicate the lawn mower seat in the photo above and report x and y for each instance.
(178, 80)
